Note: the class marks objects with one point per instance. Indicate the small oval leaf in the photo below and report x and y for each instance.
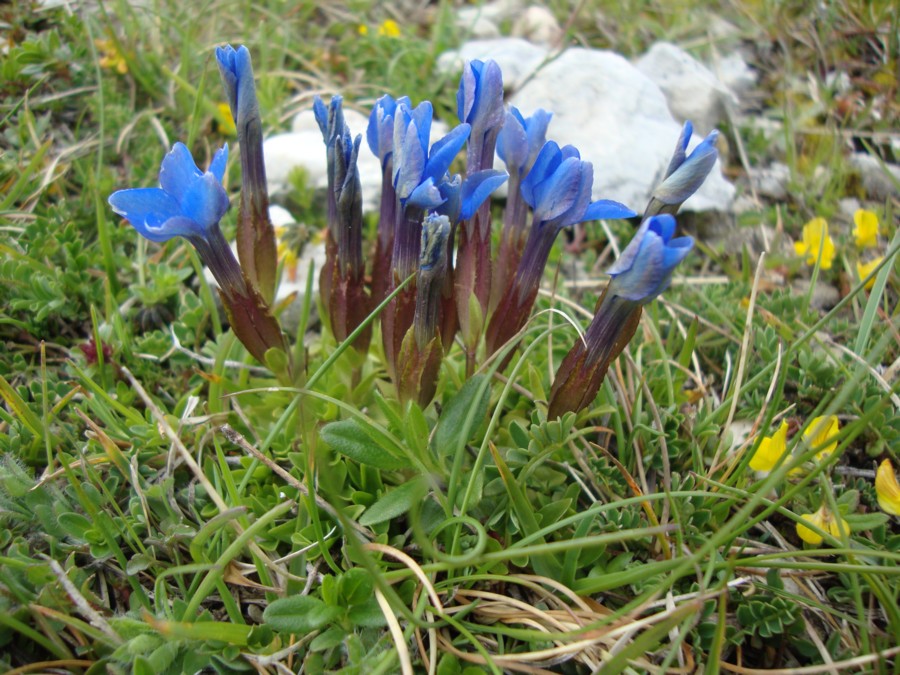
(299, 614)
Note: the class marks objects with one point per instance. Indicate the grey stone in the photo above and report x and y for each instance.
(537, 24)
(693, 92)
(771, 181)
(879, 182)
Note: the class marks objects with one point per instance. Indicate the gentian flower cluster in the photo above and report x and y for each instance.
(433, 250)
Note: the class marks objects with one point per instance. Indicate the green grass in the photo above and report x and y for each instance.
(164, 507)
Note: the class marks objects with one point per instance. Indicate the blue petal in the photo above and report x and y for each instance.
(380, 132)
(422, 115)
(676, 251)
(626, 260)
(409, 160)
(547, 160)
(178, 172)
(680, 148)
(477, 188)
(444, 151)
(206, 203)
(663, 225)
(607, 209)
(219, 160)
(559, 192)
(688, 177)
(321, 113)
(425, 196)
(147, 209)
(536, 128)
(465, 95)
(512, 141)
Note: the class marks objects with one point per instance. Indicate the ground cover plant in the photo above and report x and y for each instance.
(427, 475)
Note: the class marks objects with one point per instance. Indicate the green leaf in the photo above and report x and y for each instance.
(75, 525)
(452, 432)
(299, 614)
(332, 637)
(356, 586)
(350, 439)
(394, 503)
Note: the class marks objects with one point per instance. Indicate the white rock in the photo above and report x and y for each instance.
(879, 184)
(537, 24)
(493, 12)
(303, 147)
(771, 181)
(478, 28)
(691, 89)
(517, 58)
(734, 73)
(619, 120)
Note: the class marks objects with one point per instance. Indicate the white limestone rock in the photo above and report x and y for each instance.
(735, 75)
(538, 25)
(691, 89)
(619, 120)
(517, 58)
(879, 182)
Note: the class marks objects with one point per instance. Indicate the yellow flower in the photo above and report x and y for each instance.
(287, 254)
(820, 431)
(111, 58)
(865, 269)
(887, 489)
(866, 231)
(770, 450)
(225, 120)
(815, 237)
(824, 520)
(389, 28)
(362, 29)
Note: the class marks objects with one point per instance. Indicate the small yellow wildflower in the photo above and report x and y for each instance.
(818, 434)
(887, 489)
(815, 237)
(287, 254)
(389, 28)
(770, 450)
(362, 29)
(824, 520)
(225, 120)
(111, 58)
(866, 231)
(865, 269)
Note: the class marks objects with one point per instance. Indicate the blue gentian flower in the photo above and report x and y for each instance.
(380, 138)
(188, 203)
(380, 132)
(236, 72)
(518, 145)
(479, 103)
(417, 172)
(644, 270)
(685, 173)
(256, 244)
(342, 278)
(558, 188)
(463, 197)
(521, 139)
